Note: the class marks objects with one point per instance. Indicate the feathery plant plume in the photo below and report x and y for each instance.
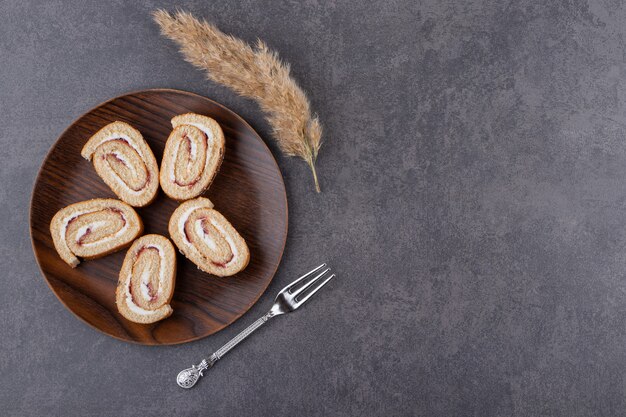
(253, 72)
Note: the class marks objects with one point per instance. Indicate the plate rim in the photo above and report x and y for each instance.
(47, 157)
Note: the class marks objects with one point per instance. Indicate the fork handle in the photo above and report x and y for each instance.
(187, 378)
(240, 337)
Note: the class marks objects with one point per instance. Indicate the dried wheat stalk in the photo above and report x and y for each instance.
(256, 73)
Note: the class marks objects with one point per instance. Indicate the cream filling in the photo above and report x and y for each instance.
(94, 226)
(65, 222)
(194, 149)
(133, 145)
(83, 229)
(116, 136)
(134, 307)
(181, 223)
(229, 239)
(145, 278)
(128, 189)
(207, 132)
(134, 172)
(206, 238)
(125, 161)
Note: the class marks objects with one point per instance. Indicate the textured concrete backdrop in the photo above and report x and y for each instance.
(474, 207)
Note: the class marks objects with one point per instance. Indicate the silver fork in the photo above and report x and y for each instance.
(288, 299)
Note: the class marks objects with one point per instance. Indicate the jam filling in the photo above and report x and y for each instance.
(120, 213)
(223, 264)
(118, 159)
(188, 143)
(190, 184)
(130, 291)
(88, 231)
(81, 239)
(151, 292)
(187, 234)
(204, 225)
(142, 250)
(206, 231)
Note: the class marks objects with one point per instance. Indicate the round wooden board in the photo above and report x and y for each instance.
(248, 190)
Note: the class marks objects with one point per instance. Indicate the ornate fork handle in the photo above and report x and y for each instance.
(187, 378)
(241, 336)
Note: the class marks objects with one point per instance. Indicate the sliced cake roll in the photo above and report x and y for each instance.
(124, 161)
(193, 154)
(147, 280)
(206, 238)
(93, 228)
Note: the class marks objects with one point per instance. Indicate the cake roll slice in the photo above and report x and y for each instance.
(93, 228)
(193, 154)
(206, 238)
(147, 280)
(125, 162)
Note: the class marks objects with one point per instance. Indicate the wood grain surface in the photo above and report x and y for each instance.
(248, 190)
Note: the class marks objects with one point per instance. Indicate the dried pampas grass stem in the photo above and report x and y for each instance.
(256, 73)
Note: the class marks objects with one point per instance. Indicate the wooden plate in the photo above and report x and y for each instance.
(248, 190)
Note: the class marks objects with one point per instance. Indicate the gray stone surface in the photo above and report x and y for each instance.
(474, 207)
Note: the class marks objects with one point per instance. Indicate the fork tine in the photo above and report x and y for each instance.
(308, 274)
(310, 294)
(310, 283)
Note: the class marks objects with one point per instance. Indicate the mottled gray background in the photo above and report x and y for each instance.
(474, 207)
